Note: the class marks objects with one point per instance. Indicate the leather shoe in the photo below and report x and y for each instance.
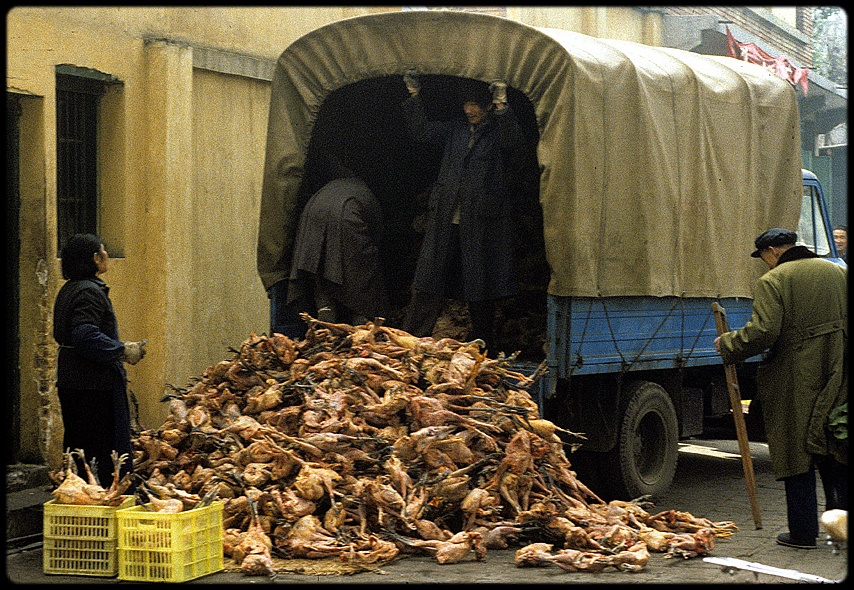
(787, 540)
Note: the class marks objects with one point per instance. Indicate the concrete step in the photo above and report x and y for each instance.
(22, 476)
(27, 489)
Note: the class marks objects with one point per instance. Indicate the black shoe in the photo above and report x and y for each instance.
(787, 540)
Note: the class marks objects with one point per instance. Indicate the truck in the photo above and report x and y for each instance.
(639, 374)
(646, 175)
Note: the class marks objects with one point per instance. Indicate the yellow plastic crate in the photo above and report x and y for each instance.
(157, 547)
(81, 540)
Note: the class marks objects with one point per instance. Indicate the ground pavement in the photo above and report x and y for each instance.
(709, 483)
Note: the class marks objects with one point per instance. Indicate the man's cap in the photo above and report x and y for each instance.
(776, 236)
(474, 91)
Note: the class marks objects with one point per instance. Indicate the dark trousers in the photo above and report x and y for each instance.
(284, 318)
(423, 311)
(91, 423)
(425, 308)
(802, 500)
(482, 320)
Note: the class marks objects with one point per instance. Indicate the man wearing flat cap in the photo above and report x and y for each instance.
(800, 317)
(470, 221)
(776, 237)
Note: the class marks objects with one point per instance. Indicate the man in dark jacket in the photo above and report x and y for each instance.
(468, 247)
(336, 269)
(800, 315)
(91, 379)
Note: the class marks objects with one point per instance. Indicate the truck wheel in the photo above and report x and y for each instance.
(644, 460)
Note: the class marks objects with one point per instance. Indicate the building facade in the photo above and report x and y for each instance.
(787, 32)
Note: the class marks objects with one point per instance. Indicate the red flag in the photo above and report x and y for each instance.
(731, 45)
(781, 65)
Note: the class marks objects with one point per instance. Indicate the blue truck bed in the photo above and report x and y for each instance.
(589, 335)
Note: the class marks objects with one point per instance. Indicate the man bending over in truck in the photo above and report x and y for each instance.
(800, 315)
(336, 269)
(468, 248)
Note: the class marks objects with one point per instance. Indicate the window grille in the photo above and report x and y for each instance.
(77, 101)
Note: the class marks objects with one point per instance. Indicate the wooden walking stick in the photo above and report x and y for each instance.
(738, 416)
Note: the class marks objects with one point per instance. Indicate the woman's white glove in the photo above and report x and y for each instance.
(134, 352)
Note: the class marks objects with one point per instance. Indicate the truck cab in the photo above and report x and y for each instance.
(814, 228)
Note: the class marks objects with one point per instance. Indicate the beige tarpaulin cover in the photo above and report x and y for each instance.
(658, 166)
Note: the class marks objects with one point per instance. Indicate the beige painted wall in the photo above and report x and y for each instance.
(180, 177)
(611, 22)
(182, 154)
(229, 137)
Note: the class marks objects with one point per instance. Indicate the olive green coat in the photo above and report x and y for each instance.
(800, 315)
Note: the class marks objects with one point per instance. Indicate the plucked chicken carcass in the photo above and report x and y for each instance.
(88, 492)
(76, 490)
(454, 550)
(633, 558)
(534, 555)
(252, 549)
(359, 442)
(155, 503)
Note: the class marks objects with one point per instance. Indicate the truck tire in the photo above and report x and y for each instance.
(644, 459)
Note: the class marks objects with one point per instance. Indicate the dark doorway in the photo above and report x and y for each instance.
(364, 120)
(13, 249)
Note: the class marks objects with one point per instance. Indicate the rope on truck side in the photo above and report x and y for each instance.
(628, 366)
(697, 338)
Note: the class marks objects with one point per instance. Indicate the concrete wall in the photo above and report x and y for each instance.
(776, 30)
(625, 23)
(181, 155)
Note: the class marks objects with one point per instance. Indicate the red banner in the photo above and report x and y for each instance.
(782, 66)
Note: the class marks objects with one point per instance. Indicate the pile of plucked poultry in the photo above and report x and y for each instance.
(364, 443)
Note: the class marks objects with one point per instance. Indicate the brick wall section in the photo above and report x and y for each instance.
(804, 19)
(779, 39)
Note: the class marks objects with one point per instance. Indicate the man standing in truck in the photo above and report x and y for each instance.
(468, 247)
(800, 316)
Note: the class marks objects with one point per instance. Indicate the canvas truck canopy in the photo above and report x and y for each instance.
(658, 167)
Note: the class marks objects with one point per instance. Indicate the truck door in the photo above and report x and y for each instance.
(814, 230)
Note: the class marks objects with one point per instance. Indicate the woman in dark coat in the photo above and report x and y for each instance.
(91, 379)
(468, 247)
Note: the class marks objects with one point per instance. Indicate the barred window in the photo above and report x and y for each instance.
(77, 101)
